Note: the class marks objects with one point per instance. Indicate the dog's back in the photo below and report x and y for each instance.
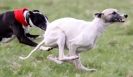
(5, 18)
(70, 26)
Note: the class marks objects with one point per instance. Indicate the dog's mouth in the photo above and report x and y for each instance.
(118, 18)
(121, 20)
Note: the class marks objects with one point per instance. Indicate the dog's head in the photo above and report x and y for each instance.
(111, 16)
(35, 18)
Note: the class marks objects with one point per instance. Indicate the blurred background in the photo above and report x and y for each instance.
(112, 57)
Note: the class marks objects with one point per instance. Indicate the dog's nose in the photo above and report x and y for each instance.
(125, 15)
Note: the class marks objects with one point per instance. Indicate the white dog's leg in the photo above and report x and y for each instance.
(77, 62)
(54, 59)
(80, 66)
(61, 44)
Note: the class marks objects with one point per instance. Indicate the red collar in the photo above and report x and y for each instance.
(19, 16)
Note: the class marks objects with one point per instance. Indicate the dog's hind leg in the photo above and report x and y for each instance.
(5, 40)
(61, 43)
(77, 62)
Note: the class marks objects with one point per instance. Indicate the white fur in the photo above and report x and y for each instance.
(31, 23)
(25, 12)
(5, 40)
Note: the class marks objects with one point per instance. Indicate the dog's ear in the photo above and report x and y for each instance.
(31, 13)
(35, 11)
(99, 15)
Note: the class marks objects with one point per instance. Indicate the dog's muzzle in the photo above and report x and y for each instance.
(43, 26)
(122, 19)
(119, 18)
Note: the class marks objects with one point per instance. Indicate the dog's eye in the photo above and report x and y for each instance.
(114, 13)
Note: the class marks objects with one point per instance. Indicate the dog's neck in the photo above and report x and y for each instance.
(99, 24)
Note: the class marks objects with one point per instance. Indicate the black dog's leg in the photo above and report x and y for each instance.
(0, 38)
(20, 34)
(31, 36)
(26, 40)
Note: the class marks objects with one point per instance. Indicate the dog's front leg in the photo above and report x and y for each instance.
(0, 38)
(20, 34)
(77, 62)
(25, 40)
(80, 66)
(31, 36)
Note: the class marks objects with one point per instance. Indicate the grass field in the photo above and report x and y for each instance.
(112, 57)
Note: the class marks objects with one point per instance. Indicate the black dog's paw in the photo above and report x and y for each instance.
(0, 38)
(34, 36)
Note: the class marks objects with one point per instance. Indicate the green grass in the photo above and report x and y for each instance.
(112, 57)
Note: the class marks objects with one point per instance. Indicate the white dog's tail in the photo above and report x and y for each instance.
(23, 58)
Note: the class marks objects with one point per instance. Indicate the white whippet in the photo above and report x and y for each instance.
(77, 35)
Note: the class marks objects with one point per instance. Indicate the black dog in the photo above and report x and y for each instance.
(15, 22)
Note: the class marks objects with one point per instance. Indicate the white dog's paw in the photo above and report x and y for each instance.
(65, 58)
(86, 69)
(54, 59)
(89, 70)
(45, 48)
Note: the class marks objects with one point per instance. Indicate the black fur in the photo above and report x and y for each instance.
(98, 15)
(10, 26)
